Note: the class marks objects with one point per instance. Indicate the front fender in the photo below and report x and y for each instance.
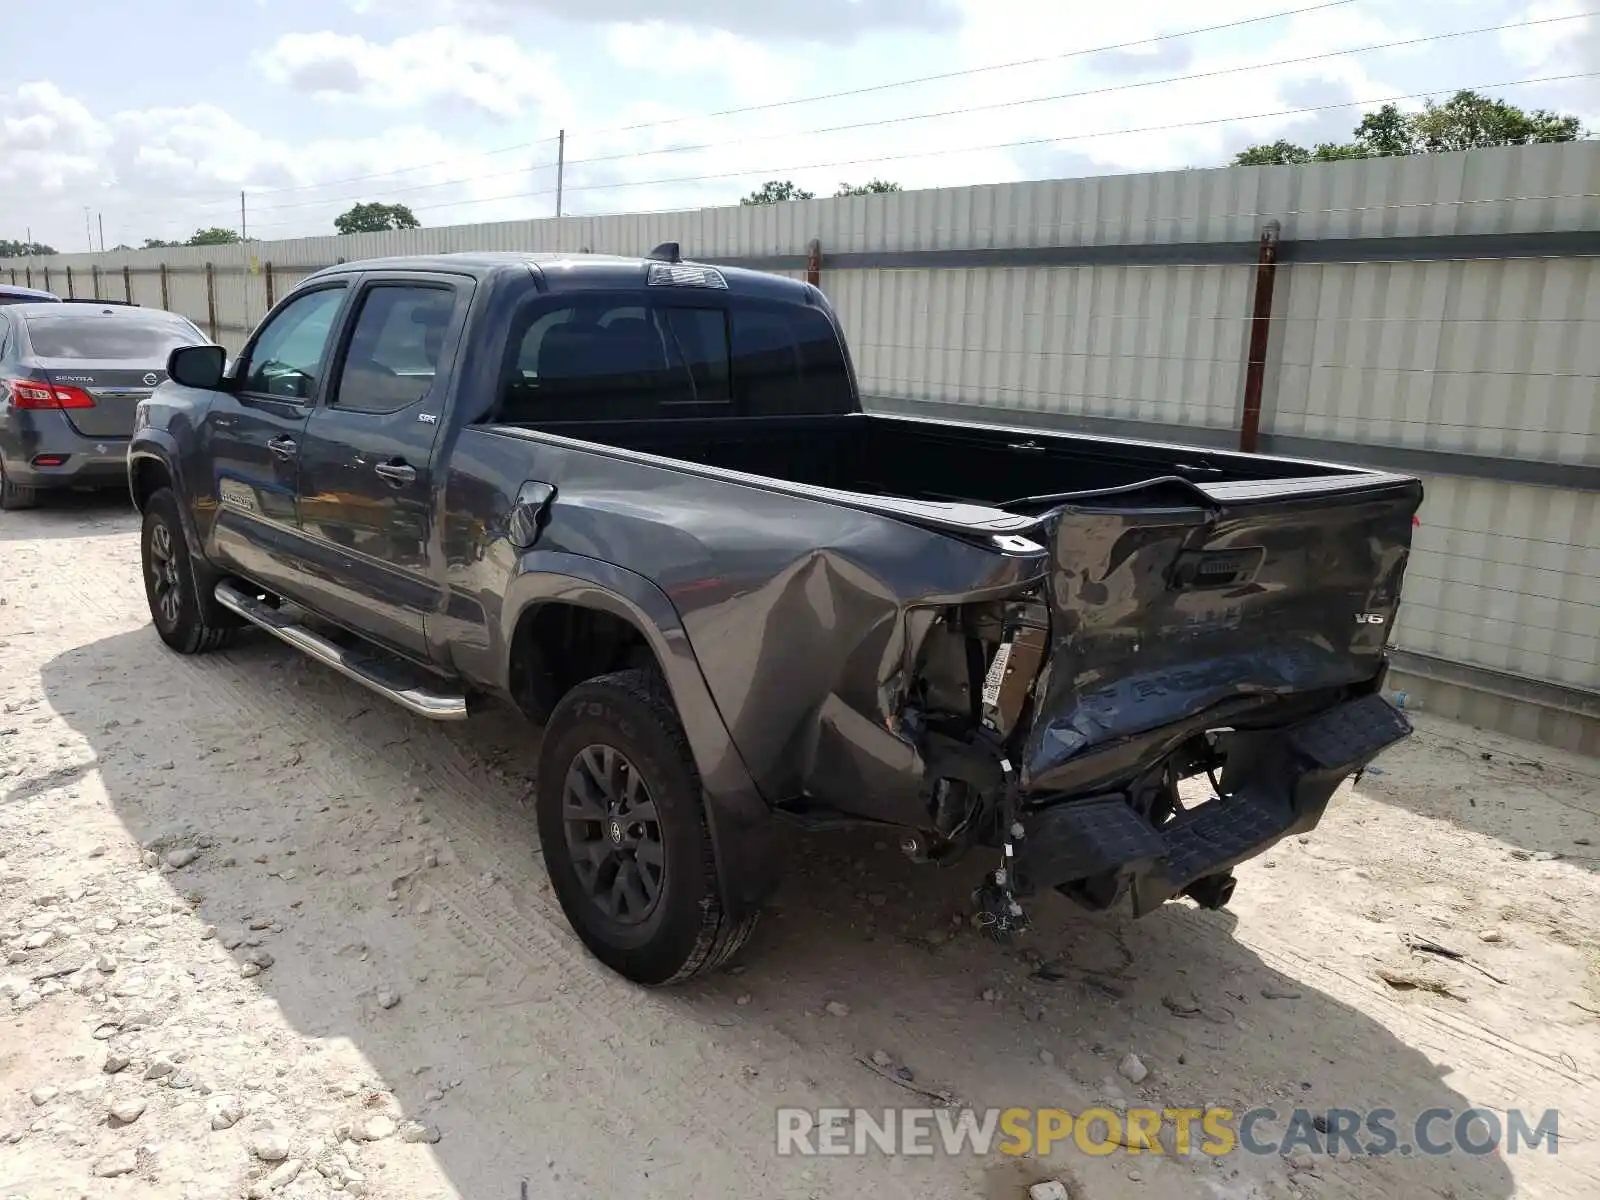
(153, 444)
(742, 825)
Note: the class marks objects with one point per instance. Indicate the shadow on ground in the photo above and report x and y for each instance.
(326, 801)
(70, 514)
(1533, 801)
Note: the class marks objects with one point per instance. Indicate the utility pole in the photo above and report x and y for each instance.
(561, 166)
(88, 232)
(244, 254)
(101, 217)
(29, 248)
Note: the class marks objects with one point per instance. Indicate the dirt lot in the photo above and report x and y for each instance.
(358, 954)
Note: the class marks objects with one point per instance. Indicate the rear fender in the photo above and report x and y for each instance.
(741, 823)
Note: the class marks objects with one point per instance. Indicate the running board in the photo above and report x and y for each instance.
(385, 676)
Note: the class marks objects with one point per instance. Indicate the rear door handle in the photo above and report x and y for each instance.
(283, 447)
(397, 472)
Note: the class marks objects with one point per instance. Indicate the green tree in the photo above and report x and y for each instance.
(215, 236)
(1467, 121)
(1385, 132)
(376, 218)
(776, 191)
(1334, 151)
(873, 187)
(1274, 154)
(158, 244)
(11, 249)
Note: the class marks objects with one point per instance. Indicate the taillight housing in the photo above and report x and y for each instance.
(30, 393)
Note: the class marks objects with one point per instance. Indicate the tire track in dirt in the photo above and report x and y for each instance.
(517, 917)
(514, 920)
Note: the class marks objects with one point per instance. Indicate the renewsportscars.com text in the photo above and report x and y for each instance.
(1211, 1131)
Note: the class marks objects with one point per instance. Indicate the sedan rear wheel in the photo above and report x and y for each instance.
(12, 496)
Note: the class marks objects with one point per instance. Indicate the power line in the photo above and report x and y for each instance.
(948, 151)
(967, 110)
(970, 71)
(404, 170)
(956, 112)
(1101, 91)
(815, 99)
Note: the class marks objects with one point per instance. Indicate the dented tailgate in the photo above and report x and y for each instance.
(1176, 603)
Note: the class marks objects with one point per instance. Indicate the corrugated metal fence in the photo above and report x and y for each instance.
(1439, 315)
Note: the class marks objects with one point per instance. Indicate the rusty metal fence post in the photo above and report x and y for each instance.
(1255, 370)
(211, 301)
(814, 262)
(127, 284)
(71, 295)
(165, 302)
(47, 279)
(272, 298)
(94, 273)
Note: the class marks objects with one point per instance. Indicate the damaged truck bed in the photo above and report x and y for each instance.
(640, 499)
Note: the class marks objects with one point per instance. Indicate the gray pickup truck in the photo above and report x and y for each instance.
(639, 499)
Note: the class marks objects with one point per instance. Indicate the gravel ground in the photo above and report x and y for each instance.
(265, 934)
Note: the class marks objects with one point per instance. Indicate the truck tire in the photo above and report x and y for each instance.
(184, 612)
(623, 827)
(13, 497)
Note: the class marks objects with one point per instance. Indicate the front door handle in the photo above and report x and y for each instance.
(283, 447)
(397, 471)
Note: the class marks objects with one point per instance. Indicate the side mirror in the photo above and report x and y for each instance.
(197, 366)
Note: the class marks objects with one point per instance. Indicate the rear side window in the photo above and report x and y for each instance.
(610, 360)
(787, 361)
(94, 336)
(395, 347)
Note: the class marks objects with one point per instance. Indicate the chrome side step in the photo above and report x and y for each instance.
(385, 676)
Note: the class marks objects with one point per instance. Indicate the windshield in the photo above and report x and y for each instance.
(145, 336)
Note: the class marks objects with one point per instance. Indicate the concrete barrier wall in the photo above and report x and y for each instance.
(1439, 315)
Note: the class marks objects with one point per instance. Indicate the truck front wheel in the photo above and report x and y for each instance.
(624, 835)
(185, 614)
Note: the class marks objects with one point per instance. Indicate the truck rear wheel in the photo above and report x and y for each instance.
(185, 613)
(623, 828)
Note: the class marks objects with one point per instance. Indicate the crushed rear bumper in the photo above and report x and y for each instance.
(1277, 783)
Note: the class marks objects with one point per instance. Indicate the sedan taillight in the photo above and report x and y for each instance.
(30, 393)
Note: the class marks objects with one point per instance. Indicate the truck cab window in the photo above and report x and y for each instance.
(395, 347)
(286, 360)
(788, 361)
(617, 362)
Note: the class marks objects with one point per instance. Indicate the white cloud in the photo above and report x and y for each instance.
(1559, 39)
(645, 85)
(47, 138)
(489, 72)
(753, 71)
(831, 21)
(165, 172)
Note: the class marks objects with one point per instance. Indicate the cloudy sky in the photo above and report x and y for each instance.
(157, 114)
